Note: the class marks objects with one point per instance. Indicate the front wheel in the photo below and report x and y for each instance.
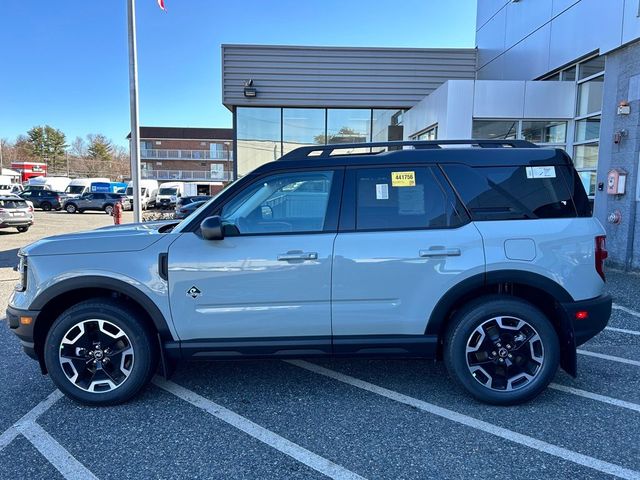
(98, 353)
(46, 206)
(504, 351)
(71, 208)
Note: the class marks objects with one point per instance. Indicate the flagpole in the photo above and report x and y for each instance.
(134, 146)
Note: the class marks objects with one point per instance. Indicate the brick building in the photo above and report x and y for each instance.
(186, 154)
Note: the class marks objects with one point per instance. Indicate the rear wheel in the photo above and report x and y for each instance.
(46, 206)
(108, 209)
(98, 353)
(22, 229)
(71, 208)
(504, 351)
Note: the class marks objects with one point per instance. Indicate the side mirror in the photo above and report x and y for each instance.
(211, 228)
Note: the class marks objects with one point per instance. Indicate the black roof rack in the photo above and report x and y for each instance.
(323, 151)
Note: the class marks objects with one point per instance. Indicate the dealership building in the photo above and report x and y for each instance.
(561, 73)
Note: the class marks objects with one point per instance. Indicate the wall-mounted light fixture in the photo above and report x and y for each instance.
(249, 90)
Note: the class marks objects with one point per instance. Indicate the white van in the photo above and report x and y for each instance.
(79, 186)
(7, 185)
(148, 190)
(56, 184)
(168, 194)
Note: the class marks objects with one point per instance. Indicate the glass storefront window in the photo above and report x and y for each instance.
(429, 134)
(302, 127)
(590, 67)
(495, 129)
(588, 179)
(588, 129)
(259, 137)
(586, 156)
(387, 125)
(590, 96)
(544, 131)
(348, 125)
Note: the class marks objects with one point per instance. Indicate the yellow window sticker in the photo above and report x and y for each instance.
(403, 179)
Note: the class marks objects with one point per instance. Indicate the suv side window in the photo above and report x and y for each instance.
(386, 201)
(281, 203)
(512, 193)
(99, 196)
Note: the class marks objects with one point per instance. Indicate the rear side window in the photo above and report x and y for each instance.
(99, 196)
(398, 198)
(511, 193)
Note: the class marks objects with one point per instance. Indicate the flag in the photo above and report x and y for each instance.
(161, 5)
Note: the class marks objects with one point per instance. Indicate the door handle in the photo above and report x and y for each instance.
(286, 257)
(440, 252)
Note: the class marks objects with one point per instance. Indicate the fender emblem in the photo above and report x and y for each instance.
(193, 292)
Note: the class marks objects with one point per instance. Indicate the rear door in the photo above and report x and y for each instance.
(404, 240)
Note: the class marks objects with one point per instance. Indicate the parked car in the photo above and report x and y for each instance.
(15, 212)
(184, 212)
(184, 201)
(45, 199)
(486, 257)
(96, 201)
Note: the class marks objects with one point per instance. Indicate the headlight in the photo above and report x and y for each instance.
(22, 271)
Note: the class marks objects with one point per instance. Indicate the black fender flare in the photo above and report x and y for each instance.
(108, 283)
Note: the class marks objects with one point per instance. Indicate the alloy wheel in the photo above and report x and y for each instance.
(96, 356)
(504, 353)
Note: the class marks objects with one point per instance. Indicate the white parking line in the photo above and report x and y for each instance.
(268, 437)
(56, 454)
(623, 330)
(626, 310)
(609, 357)
(560, 452)
(8, 435)
(595, 396)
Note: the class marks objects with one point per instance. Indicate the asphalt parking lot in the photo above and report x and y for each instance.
(311, 419)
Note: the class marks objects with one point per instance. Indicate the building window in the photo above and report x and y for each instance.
(590, 96)
(545, 132)
(591, 67)
(387, 125)
(302, 127)
(259, 137)
(495, 129)
(348, 125)
(430, 133)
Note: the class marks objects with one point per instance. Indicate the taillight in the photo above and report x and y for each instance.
(601, 254)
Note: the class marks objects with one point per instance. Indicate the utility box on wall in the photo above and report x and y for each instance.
(616, 181)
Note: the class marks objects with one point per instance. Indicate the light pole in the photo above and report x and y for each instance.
(134, 146)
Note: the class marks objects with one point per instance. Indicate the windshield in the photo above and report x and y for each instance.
(75, 189)
(130, 191)
(167, 191)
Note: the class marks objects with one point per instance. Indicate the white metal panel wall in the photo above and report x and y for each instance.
(291, 76)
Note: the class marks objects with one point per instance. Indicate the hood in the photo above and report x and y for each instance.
(119, 238)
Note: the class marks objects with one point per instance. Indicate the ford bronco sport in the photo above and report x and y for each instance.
(483, 254)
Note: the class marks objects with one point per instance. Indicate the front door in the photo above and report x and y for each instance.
(270, 277)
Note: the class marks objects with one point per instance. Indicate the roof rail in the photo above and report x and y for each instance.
(327, 150)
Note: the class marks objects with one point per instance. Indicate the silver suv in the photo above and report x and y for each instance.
(486, 257)
(15, 212)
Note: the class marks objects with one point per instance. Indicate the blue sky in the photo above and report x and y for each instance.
(65, 63)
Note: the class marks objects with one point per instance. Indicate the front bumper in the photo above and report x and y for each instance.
(23, 332)
(598, 311)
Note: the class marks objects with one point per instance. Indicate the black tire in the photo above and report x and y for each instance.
(108, 209)
(509, 370)
(135, 338)
(71, 208)
(45, 206)
(23, 229)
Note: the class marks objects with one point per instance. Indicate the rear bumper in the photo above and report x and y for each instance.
(598, 311)
(17, 222)
(23, 332)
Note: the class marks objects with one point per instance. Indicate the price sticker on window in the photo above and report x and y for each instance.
(403, 179)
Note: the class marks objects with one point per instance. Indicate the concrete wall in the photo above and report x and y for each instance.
(529, 38)
(622, 82)
(290, 76)
(456, 103)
